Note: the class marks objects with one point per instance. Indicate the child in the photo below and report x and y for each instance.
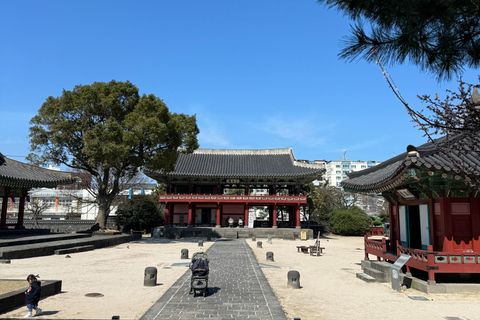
(32, 295)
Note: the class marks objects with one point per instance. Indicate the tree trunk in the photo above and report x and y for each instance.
(102, 216)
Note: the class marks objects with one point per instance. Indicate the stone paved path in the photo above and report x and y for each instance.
(237, 289)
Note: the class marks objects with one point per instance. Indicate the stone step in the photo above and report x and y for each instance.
(48, 248)
(381, 266)
(75, 249)
(366, 263)
(377, 274)
(384, 267)
(9, 241)
(365, 277)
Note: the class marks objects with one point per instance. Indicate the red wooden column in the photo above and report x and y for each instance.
(21, 210)
(245, 214)
(297, 216)
(219, 221)
(3, 218)
(172, 212)
(431, 215)
(274, 222)
(191, 220)
(167, 214)
(475, 217)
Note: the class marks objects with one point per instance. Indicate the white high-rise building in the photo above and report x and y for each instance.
(336, 171)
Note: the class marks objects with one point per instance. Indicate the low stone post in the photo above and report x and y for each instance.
(254, 239)
(184, 254)
(259, 244)
(293, 279)
(200, 243)
(269, 256)
(150, 279)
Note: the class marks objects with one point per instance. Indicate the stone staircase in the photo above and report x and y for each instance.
(43, 245)
(375, 271)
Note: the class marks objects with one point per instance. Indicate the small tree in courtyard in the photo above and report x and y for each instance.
(350, 222)
(36, 207)
(139, 214)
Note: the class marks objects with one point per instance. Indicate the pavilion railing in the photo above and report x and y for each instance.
(428, 260)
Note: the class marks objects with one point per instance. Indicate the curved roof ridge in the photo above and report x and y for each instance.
(63, 174)
(245, 151)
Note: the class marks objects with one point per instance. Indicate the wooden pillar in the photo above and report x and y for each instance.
(191, 219)
(172, 212)
(475, 216)
(167, 214)
(274, 222)
(21, 210)
(297, 216)
(245, 210)
(290, 215)
(431, 216)
(219, 220)
(3, 218)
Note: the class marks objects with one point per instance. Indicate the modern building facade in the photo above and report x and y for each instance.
(336, 171)
(252, 187)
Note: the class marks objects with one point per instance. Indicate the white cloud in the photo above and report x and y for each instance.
(298, 130)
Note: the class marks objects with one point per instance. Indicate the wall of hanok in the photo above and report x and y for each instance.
(454, 223)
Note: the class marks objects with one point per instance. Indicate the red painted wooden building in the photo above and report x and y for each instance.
(434, 215)
(209, 186)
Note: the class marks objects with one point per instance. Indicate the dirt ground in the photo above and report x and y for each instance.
(329, 288)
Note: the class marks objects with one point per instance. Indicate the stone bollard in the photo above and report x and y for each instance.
(259, 244)
(184, 254)
(150, 279)
(200, 243)
(254, 239)
(269, 256)
(293, 279)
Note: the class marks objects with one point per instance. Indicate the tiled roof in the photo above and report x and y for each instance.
(17, 174)
(240, 164)
(426, 156)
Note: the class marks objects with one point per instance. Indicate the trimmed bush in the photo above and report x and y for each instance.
(350, 222)
(377, 223)
(139, 215)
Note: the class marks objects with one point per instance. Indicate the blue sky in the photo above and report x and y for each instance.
(258, 74)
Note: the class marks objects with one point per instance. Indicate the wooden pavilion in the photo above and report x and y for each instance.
(210, 186)
(434, 214)
(17, 178)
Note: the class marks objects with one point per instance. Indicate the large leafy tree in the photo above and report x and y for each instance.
(109, 130)
(439, 36)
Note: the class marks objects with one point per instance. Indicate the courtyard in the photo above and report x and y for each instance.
(329, 287)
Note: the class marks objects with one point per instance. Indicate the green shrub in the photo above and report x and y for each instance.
(139, 215)
(349, 222)
(377, 223)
